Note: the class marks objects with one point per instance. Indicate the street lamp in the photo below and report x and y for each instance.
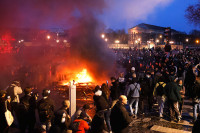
(171, 42)
(117, 42)
(48, 37)
(157, 41)
(197, 41)
(102, 36)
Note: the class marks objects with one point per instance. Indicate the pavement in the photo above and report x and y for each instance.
(151, 123)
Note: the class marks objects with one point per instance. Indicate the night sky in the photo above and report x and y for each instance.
(115, 14)
(166, 13)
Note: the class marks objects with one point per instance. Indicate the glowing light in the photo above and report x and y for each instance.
(197, 41)
(117, 41)
(139, 39)
(48, 36)
(136, 41)
(160, 36)
(19, 41)
(157, 40)
(57, 41)
(102, 36)
(187, 40)
(65, 41)
(151, 45)
(171, 42)
(106, 39)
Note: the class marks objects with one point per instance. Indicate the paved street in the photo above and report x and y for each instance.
(153, 124)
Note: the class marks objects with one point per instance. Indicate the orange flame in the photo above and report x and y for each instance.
(83, 77)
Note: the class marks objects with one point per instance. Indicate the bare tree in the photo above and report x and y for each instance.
(193, 14)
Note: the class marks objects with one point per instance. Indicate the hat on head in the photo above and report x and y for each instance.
(133, 68)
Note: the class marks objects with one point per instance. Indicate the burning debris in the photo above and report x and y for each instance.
(81, 79)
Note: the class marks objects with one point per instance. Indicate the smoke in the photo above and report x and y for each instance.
(41, 64)
(131, 11)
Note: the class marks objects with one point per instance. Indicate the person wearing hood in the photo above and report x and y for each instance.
(102, 105)
(14, 90)
(173, 96)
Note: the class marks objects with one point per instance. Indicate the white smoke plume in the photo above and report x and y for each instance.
(132, 11)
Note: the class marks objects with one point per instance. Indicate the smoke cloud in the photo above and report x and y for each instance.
(40, 65)
(132, 11)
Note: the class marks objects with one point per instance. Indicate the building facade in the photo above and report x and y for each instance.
(150, 35)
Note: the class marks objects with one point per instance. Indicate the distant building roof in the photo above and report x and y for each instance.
(153, 27)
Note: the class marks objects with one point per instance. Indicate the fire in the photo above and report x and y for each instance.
(83, 77)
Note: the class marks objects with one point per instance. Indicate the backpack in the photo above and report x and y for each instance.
(160, 89)
(75, 126)
(45, 109)
(131, 91)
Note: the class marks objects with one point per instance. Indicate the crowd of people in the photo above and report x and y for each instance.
(151, 76)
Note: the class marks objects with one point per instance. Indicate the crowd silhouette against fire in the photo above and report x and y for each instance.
(152, 76)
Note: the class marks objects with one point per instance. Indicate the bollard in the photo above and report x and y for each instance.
(72, 98)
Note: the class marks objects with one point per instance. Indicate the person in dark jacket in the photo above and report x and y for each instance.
(102, 105)
(120, 118)
(173, 96)
(27, 108)
(46, 110)
(62, 120)
(196, 127)
(97, 124)
(115, 91)
(4, 128)
(195, 95)
(83, 111)
(147, 90)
